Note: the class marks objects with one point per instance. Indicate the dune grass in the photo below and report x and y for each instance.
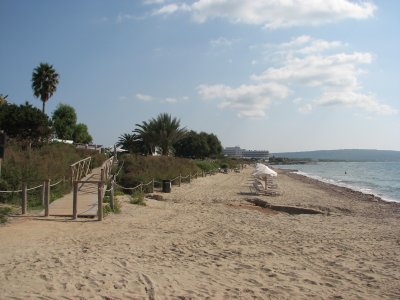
(4, 212)
(33, 166)
(142, 169)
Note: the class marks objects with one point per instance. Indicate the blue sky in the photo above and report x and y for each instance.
(275, 75)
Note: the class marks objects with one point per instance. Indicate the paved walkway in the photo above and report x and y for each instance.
(87, 199)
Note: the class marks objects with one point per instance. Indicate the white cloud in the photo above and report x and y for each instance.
(172, 8)
(306, 108)
(121, 18)
(338, 70)
(222, 42)
(274, 13)
(319, 46)
(353, 99)
(250, 100)
(148, 2)
(144, 97)
(170, 100)
(334, 78)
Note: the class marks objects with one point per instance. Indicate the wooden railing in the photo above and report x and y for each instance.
(106, 169)
(80, 169)
(105, 175)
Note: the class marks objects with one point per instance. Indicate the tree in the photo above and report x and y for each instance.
(145, 135)
(167, 131)
(192, 145)
(64, 122)
(131, 143)
(198, 145)
(162, 131)
(214, 144)
(81, 134)
(44, 82)
(25, 123)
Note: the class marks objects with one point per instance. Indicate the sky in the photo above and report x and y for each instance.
(277, 75)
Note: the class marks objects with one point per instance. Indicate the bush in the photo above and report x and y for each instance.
(107, 208)
(137, 198)
(229, 163)
(4, 212)
(142, 169)
(38, 164)
(207, 165)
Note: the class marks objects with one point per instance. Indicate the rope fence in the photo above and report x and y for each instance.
(44, 197)
(155, 183)
(34, 188)
(81, 168)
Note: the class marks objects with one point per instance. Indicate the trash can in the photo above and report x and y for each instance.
(166, 186)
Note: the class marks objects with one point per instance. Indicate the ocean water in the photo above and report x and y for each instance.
(379, 178)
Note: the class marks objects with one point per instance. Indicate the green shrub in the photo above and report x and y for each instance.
(137, 198)
(117, 206)
(142, 169)
(4, 212)
(207, 165)
(107, 208)
(38, 164)
(229, 163)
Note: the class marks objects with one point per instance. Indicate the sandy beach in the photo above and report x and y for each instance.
(205, 240)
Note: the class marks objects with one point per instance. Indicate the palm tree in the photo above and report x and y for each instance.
(44, 82)
(146, 135)
(128, 142)
(163, 131)
(167, 131)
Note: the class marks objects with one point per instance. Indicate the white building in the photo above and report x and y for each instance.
(237, 152)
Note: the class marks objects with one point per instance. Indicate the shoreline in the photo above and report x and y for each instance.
(335, 189)
(336, 184)
(205, 240)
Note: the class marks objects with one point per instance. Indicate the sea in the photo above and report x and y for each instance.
(379, 178)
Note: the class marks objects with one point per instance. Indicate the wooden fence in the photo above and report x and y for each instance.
(179, 179)
(45, 194)
(80, 169)
(105, 176)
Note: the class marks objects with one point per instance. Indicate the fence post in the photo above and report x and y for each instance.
(102, 175)
(141, 187)
(72, 175)
(100, 201)
(24, 198)
(152, 185)
(180, 179)
(46, 197)
(112, 195)
(75, 202)
(43, 192)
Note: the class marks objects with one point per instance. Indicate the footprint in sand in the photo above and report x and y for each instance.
(310, 281)
(79, 286)
(149, 286)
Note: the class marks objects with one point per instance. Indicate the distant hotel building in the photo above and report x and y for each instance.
(237, 152)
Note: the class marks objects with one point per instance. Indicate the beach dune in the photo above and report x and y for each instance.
(206, 240)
